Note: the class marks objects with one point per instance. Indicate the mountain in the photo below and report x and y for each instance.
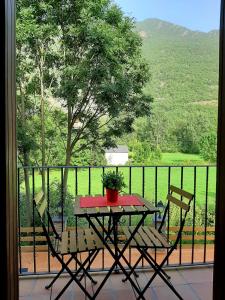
(183, 63)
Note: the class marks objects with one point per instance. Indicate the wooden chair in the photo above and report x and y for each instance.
(152, 238)
(68, 243)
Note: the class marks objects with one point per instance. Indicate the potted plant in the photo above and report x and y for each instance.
(114, 183)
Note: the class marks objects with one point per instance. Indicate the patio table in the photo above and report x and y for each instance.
(114, 211)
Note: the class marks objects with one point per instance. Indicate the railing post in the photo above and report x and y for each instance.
(19, 223)
(33, 219)
(193, 228)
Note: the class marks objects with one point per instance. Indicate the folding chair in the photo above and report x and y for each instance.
(152, 238)
(68, 243)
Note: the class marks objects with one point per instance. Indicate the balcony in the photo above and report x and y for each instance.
(195, 250)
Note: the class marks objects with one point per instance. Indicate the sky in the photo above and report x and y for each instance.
(202, 15)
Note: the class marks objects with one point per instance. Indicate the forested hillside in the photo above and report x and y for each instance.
(183, 63)
(184, 85)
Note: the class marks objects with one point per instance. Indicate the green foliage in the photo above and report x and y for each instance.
(113, 180)
(55, 203)
(184, 63)
(208, 146)
(102, 73)
(90, 157)
(193, 127)
(141, 152)
(184, 85)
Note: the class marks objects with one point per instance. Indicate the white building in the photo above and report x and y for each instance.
(117, 156)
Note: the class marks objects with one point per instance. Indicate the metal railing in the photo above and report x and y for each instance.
(151, 182)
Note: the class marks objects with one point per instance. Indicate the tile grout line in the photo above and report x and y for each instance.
(154, 294)
(190, 286)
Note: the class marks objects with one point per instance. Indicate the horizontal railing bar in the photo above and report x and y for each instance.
(113, 166)
(144, 268)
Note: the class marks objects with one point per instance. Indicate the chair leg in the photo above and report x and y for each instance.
(73, 278)
(85, 271)
(158, 271)
(157, 265)
(132, 269)
(63, 268)
(57, 276)
(137, 262)
(91, 259)
(127, 262)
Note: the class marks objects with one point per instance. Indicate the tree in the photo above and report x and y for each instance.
(102, 74)
(194, 125)
(208, 146)
(26, 106)
(38, 33)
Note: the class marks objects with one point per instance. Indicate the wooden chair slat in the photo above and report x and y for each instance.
(160, 237)
(39, 197)
(73, 242)
(42, 207)
(82, 245)
(96, 239)
(178, 202)
(138, 237)
(181, 192)
(128, 234)
(151, 236)
(64, 243)
(145, 238)
(89, 239)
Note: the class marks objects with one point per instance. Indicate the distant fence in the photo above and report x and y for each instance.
(27, 237)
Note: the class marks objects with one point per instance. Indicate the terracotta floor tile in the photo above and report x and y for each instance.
(197, 275)
(164, 293)
(26, 286)
(176, 278)
(192, 284)
(203, 290)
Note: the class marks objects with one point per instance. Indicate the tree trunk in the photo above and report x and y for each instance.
(43, 159)
(68, 161)
(68, 151)
(26, 162)
(27, 189)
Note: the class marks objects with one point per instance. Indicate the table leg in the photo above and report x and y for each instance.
(115, 235)
(117, 258)
(106, 235)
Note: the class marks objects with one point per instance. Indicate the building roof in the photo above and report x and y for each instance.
(118, 149)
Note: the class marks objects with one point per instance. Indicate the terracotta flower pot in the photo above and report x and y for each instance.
(112, 195)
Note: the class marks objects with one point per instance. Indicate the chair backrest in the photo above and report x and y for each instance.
(183, 203)
(183, 195)
(41, 205)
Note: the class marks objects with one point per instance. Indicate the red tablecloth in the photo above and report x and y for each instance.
(99, 201)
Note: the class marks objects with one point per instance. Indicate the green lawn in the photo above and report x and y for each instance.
(181, 158)
(152, 182)
(155, 181)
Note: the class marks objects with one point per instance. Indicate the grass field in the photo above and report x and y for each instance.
(152, 182)
(181, 158)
